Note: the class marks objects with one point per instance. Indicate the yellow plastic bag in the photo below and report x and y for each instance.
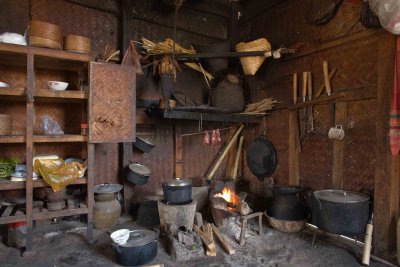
(57, 173)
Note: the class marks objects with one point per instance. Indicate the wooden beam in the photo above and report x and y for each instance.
(338, 147)
(91, 152)
(294, 148)
(128, 187)
(384, 239)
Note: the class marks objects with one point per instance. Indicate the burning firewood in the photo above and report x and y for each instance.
(243, 208)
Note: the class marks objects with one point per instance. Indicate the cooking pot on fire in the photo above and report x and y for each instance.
(178, 191)
(340, 212)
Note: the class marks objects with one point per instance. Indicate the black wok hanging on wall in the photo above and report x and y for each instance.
(261, 157)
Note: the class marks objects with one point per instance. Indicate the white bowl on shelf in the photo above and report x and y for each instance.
(3, 84)
(57, 85)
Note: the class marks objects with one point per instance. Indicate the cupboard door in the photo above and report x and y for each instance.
(112, 103)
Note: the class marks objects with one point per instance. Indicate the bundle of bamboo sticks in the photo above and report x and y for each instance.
(167, 47)
(260, 107)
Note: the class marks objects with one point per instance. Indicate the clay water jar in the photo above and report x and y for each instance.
(107, 208)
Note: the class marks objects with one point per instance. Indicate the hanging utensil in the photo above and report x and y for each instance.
(261, 157)
(303, 111)
(310, 116)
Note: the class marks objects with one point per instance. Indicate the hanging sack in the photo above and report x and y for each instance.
(388, 12)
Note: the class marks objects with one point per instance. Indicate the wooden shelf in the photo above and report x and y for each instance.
(59, 213)
(12, 219)
(12, 139)
(66, 138)
(59, 138)
(189, 115)
(46, 93)
(8, 185)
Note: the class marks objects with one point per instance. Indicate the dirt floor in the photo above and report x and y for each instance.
(64, 244)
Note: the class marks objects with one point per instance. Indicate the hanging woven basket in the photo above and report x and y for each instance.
(250, 65)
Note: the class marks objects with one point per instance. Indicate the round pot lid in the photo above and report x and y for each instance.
(138, 238)
(139, 169)
(107, 188)
(261, 157)
(179, 182)
(340, 196)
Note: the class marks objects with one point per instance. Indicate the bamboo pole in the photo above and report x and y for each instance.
(224, 153)
(239, 152)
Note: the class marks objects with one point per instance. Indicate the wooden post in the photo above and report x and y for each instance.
(90, 190)
(178, 152)
(294, 148)
(128, 187)
(30, 120)
(385, 194)
(338, 147)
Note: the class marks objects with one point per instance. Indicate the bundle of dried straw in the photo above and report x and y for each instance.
(260, 107)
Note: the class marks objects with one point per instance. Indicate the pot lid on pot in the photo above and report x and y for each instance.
(139, 169)
(107, 188)
(179, 182)
(340, 196)
(138, 238)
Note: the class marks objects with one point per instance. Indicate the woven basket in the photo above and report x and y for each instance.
(45, 30)
(43, 42)
(5, 124)
(77, 43)
(250, 65)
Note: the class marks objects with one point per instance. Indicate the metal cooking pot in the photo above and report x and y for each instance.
(138, 174)
(143, 145)
(286, 204)
(177, 191)
(340, 212)
(141, 248)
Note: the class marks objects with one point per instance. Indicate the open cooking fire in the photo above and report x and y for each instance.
(230, 197)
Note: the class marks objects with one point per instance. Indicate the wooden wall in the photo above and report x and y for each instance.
(364, 62)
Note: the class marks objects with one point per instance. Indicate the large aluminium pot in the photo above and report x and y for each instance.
(340, 212)
(107, 208)
(177, 191)
(141, 248)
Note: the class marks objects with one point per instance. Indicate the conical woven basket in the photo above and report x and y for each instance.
(250, 65)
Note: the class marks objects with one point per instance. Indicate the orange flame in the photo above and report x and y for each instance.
(228, 195)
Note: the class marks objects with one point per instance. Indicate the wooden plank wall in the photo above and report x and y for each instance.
(364, 60)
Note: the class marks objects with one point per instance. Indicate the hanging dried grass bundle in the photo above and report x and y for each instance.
(167, 47)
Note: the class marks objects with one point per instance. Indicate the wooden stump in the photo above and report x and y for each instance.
(172, 217)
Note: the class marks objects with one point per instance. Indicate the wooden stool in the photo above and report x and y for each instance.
(244, 225)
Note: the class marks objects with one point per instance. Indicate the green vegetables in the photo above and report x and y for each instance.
(7, 166)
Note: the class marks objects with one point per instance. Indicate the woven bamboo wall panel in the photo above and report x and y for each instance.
(112, 95)
(13, 150)
(360, 146)
(68, 115)
(14, 76)
(17, 110)
(14, 16)
(356, 65)
(106, 171)
(160, 160)
(100, 27)
(285, 24)
(188, 19)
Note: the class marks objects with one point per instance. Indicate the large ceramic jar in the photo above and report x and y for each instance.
(107, 208)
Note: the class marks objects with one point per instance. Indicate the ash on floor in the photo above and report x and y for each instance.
(68, 247)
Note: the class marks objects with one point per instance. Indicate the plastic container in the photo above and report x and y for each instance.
(84, 129)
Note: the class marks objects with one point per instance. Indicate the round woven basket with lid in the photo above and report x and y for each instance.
(77, 43)
(45, 30)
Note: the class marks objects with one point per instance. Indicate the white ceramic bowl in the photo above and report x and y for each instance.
(57, 86)
(120, 236)
(3, 84)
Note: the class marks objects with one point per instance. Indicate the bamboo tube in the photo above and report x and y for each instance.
(239, 152)
(322, 87)
(304, 88)
(326, 78)
(309, 83)
(225, 152)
